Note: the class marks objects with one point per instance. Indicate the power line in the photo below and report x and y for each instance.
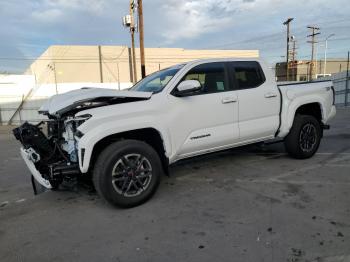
(277, 34)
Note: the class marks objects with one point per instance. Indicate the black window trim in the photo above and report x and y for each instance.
(227, 79)
(233, 74)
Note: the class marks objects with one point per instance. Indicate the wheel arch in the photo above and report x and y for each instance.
(307, 106)
(149, 135)
(313, 109)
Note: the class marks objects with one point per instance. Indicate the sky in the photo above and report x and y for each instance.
(29, 27)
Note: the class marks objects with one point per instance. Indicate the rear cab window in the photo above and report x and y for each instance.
(247, 74)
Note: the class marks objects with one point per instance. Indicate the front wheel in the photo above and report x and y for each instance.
(127, 173)
(304, 137)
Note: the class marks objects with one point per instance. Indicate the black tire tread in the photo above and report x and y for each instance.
(108, 154)
(291, 140)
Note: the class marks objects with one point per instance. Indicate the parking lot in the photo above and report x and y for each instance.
(248, 204)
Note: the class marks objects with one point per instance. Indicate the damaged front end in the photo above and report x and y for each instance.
(50, 150)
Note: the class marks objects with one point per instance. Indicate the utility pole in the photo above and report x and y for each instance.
(128, 21)
(287, 22)
(142, 47)
(293, 51)
(313, 42)
(132, 31)
(294, 62)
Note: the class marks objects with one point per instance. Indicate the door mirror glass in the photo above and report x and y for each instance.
(187, 87)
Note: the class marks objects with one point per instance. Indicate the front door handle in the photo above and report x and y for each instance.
(270, 95)
(227, 100)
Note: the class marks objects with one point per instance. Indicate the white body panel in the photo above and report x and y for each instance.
(195, 125)
(296, 95)
(259, 110)
(202, 122)
(59, 102)
(36, 174)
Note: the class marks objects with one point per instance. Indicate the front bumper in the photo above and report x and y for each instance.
(36, 174)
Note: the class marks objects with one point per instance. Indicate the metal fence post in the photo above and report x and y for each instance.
(347, 81)
(19, 111)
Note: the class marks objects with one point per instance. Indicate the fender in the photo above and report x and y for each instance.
(91, 138)
(290, 107)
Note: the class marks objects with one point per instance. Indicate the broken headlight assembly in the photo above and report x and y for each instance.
(53, 146)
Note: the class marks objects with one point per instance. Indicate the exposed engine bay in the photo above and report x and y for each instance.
(52, 147)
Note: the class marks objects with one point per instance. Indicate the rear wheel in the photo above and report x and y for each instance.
(127, 173)
(304, 137)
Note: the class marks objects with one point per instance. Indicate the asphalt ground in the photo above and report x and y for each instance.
(248, 204)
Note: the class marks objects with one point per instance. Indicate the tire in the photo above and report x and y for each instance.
(304, 137)
(136, 169)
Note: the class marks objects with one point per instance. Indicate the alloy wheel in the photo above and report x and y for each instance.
(131, 175)
(308, 137)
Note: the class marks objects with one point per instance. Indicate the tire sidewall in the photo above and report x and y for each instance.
(103, 172)
(292, 141)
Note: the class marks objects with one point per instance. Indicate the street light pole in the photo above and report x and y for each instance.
(325, 54)
(128, 21)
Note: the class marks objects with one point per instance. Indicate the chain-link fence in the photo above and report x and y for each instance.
(12, 111)
(341, 85)
(19, 105)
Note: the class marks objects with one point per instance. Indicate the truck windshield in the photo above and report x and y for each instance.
(157, 81)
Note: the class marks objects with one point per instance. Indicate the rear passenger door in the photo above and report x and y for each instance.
(258, 101)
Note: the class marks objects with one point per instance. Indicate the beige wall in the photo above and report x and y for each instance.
(81, 63)
(301, 71)
(333, 66)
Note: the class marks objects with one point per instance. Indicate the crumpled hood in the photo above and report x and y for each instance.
(59, 104)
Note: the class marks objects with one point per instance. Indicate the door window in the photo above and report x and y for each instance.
(211, 76)
(248, 74)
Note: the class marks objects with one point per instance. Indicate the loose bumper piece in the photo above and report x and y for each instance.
(36, 174)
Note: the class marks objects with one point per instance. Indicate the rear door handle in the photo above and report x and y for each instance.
(227, 100)
(270, 95)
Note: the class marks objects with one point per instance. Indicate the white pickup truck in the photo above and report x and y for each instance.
(124, 141)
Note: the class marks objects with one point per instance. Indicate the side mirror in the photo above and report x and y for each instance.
(187, 87)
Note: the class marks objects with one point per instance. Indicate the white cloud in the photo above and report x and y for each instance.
(94, 6)
(190, 19)
(51, 11)
(236, 24)
(50, 15)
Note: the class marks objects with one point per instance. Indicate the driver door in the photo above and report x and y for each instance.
(206, 120)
